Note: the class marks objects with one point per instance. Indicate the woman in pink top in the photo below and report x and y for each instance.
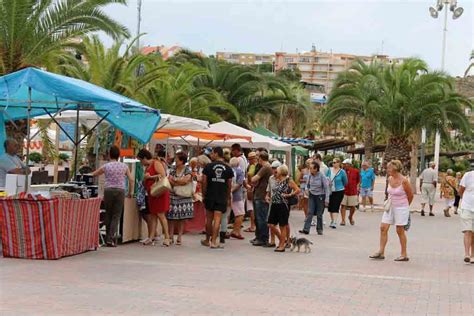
(401, 195)
(114, 193)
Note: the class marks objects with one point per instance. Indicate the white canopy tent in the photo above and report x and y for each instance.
(167, 120)
(227, 128)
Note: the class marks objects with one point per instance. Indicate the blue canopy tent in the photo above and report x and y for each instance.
(32, 92)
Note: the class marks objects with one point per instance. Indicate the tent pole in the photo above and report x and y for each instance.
(76, 145)
(28, 137)
(56, 159)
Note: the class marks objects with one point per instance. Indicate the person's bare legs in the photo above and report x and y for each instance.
(274, 231)
(383, 237)
(209, 218)
(252, 220)
(468, 244)
(352, 211)
(216, 225)
(364, 202)
(164, 226)
(371, 201)
(282, 237)
(423, 208)
(237, 225)
(343, 215)
(180, 231)
(171, 228)
(403, 240)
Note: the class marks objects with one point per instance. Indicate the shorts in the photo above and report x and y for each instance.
(249, 205)
(467, 220)
(396, 216)
(428, 193)
(238, 208)
(449, 202)
(366, 192)
(350, 200)
(219, 206)
(335, 201)
(279, 214)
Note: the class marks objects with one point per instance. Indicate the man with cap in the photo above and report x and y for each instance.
(428, 181)
(350, 199)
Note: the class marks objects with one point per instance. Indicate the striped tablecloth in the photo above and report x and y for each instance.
(48, 229)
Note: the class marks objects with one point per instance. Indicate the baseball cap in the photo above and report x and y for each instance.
(347, 161)
(276, 164)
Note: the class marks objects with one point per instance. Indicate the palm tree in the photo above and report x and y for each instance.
(414, 98)
(32, 31)
(176, 92)
(127, 73)
(357, 93)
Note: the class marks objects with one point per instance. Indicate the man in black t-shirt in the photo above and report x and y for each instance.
(216, 190)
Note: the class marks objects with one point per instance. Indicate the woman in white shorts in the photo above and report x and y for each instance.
(401, 196)
(466, 209)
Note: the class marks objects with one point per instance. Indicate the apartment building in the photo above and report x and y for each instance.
(246, 58)
(321, 68)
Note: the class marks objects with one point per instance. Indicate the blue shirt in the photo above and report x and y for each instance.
(367, 177)
(238, 178)
(337, 180)
(318, 185)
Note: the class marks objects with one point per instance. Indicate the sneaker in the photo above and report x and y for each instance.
(422, 213)
(313, 223)
(361, 209)
(269, 245)
(333, 225)
(432, 214)
(259, 243)
(303, 232)
(320, 232)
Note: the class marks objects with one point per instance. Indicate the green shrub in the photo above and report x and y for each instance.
(64, 157)
(35, 157)
(445, 164)
(461, 165)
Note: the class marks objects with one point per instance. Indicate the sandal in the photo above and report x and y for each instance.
(205, 243)
(378, 256)
(166, 243)
(249, 230)
(178, 242)
(402, 259)
(467, 259)
(279, 250)
(234, 235)
(218, 246)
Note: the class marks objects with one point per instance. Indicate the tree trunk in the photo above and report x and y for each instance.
(17, 134)
(414, 163)
(368, 138)
(398, 147)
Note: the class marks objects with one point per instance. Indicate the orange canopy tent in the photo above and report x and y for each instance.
(207, 136)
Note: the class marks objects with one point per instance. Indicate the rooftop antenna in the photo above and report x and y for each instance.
(382, 47)
(313, 48)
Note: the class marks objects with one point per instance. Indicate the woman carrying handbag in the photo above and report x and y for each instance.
(157, 204)
(181, 196)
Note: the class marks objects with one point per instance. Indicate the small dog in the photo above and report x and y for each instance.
(299, 242)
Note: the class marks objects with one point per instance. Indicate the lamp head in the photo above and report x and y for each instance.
(439, 5)
(433, 13)
(453, 4)
(457, 13)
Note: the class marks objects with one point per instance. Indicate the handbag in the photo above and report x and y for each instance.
(184, 190)
(292, 200)
(160, 186)
(387, 204)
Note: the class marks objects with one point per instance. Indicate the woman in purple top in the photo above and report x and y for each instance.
(114, 192)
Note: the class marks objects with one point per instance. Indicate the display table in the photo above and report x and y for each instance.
(49, 228)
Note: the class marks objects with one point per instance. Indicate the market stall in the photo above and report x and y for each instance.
(50, 227)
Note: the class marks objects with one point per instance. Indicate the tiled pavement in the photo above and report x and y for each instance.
(337, 278)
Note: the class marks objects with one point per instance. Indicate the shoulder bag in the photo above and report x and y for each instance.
(160, 186)
(184, 190)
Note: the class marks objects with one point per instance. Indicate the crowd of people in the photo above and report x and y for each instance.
(229, 186)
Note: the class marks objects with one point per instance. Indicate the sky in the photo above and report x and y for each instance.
(395, 28)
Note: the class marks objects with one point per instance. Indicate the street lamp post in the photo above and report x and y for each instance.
(448, 5)
(139, 21)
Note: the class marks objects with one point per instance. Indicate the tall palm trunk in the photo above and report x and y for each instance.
(368, 138)
(414, 163)
(17, 132)
(398, 147)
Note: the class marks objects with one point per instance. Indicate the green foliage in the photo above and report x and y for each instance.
(35, 157)
(459, 165)
(292, 75)
(36, 32)
(64, 157)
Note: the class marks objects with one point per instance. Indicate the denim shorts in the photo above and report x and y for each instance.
(364, 192)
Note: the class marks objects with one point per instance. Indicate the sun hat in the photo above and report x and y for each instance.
(347, 161)
(276, 164)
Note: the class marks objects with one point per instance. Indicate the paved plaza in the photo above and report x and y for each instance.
(337, 278)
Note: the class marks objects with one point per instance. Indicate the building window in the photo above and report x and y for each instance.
(288, 60)
(305, 60)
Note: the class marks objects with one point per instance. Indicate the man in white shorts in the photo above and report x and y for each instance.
(428, 181)
(466, 209)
